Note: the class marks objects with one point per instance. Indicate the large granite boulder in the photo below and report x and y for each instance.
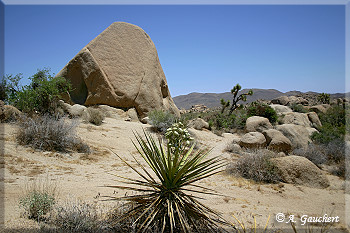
(301, 171)
(119, 68)
(281, 109)
(296, 118)
(257, 124)
(297, 134)
(314, 119)
(276, 141)
(282, 100)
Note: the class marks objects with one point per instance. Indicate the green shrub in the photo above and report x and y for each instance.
(161, 120)
(38, 200)
(263, 110)
(333, 125)
(298, 108)
(221, 121)
(50, 133)
(93, 116)
(41, 95)
(167, 201)
(257, 166)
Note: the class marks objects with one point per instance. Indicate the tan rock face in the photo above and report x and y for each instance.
(277, 141)
(297, 134)
(299, 170)
(314, 119)
(296, 118)
(120, 68)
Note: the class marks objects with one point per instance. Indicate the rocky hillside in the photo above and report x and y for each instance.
(213, 99)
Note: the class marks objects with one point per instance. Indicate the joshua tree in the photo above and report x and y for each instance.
(224, 104)
(236, 98)
(324, 98)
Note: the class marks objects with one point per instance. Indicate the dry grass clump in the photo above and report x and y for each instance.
(255, 165)
(94, 116)
(76, 216)
(50, 133)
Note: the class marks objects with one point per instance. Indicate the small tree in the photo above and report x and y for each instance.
(324, 98)
(41, 95)
(9, 87)
(224, 104)
(236, 98)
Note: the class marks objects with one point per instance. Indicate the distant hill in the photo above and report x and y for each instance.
(213, 99)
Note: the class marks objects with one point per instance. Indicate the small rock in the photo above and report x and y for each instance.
(198, 124)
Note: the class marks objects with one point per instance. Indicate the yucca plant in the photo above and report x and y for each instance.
(164, 199)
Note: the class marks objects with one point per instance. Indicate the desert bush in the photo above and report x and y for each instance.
(219, 121)
(93, 116)
(77, 216)
(165, 202)
(50, 133)
(38, 200)
(256, 165)
(263, 110)
(161, 120)
(333, 153)
(314, 152)
(298, 108)
(41, 95)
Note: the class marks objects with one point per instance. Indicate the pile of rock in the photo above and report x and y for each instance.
(199, 108)
(77, 110)
(293, 132)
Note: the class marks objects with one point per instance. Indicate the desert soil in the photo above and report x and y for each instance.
(83, 177)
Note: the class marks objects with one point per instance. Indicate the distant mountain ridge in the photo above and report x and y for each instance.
(213, 99)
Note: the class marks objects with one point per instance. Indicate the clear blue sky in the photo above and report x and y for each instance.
(201, 48)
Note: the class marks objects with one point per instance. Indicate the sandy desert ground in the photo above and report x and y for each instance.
(84, 177)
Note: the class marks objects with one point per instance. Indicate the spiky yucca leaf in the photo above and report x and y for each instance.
(165, 199)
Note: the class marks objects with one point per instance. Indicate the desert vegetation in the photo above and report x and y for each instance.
(164, 200)
(41, 124)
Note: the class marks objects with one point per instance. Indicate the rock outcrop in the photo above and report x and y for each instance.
(119, 68)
